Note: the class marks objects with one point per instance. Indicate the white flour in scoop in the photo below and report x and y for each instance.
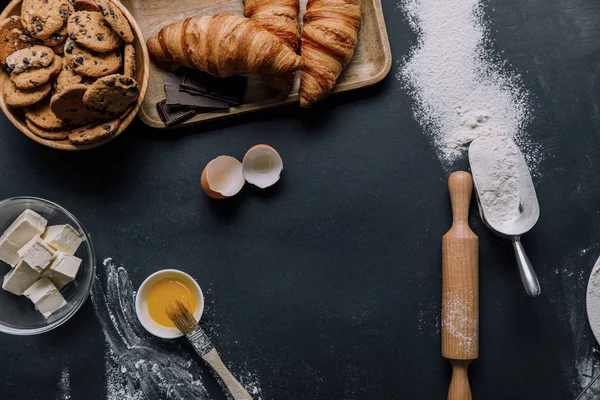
(495, 165)
(460, 93)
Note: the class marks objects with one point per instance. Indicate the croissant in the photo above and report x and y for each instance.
(280, 17)
(223, 45)
(328, 41)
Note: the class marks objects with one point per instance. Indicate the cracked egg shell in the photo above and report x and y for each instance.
(262, 166)
(222, 177)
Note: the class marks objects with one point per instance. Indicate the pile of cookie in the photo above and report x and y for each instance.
(71, 66)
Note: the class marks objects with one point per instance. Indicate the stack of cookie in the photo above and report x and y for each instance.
(72, 68)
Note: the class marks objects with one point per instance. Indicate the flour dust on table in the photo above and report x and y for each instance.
(460, 92)
(139, 366)
(65, 384)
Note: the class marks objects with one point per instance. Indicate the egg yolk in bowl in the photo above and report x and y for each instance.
(166, 291)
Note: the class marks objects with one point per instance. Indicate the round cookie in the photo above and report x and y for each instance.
(42, 116)
(13, 37)
(47, 134)
(42, 18)
(93, 132)
(116, 20)
(57, 38)
(112, 94)
(129, 63)
(17, 98)
(29, 58)
(37, 77)
(91, 30)
(66, 77)
(89, 63)
(86, 5)
(68, 106)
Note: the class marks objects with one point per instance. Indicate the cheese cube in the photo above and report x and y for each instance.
(45, 296)
(20, 278)
(37, 253)
(62, 237)
(22, 230)
(63, 269)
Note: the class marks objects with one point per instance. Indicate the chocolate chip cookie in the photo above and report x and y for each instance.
(112, 94)
(93, 132)
(66, 77)
(57, 38)
(37, 77)
(47, 134)
(68, 105)
(17, 98)
(12, 37)
(91, 30)
(41, 115)
(129, 63)
(42, 18)
(89, 63)
(86, 5)
(116, 19)
(29, 58)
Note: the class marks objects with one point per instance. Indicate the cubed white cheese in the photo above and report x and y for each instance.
(45, 296)
(63, 269)
(9, 252)
(62, 237)
(20, 278)
(22, 230)
(37, 253)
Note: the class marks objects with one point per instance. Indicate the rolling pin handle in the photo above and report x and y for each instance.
(460, 186)
(459, 386)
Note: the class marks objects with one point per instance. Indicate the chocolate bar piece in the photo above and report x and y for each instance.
(171, 116)
(230, 89)
(177, 98)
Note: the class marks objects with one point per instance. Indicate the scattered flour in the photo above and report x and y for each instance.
(494, 161)
(138, 365)
(65, 384)
(459, 322)
(460, 93)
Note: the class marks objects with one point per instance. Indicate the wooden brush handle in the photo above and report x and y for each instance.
(235, 388)
(460, 291)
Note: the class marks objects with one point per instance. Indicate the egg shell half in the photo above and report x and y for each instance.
(222, 177)
(262, 166)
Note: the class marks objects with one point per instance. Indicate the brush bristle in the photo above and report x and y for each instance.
(182, 318)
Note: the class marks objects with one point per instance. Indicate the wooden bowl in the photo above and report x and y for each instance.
(17, 117)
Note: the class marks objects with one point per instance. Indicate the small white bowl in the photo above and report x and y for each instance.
(141, 304)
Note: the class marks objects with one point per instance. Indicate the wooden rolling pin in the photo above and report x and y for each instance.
(460, 288)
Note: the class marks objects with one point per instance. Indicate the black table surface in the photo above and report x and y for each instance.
(328, 285)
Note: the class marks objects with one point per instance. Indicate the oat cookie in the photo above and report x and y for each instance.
(41, 115)
(129, 66)
(116, 19)
(66, 77)
(15, 97)
(112, 94)
(89, 63)
(68, 106)
(94, 132)
(42, 18)
(12, 37)
(29, 58)
(86, 5)
(57, 38)
(47, 134)
(37, 77)
(91, 30)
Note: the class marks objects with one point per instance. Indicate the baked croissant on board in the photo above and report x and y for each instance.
(329, 38)
(223, 45)
(280, 17)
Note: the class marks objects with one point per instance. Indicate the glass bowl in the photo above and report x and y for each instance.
(18, 315)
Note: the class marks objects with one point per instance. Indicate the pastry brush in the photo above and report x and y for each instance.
(186, 323)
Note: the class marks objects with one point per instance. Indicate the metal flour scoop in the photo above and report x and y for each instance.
(488, 155)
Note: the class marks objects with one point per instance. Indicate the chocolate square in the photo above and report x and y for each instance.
(172, 117)
(178, 98)
(230, 90)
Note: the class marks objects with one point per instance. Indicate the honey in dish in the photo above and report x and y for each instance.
(166, 291)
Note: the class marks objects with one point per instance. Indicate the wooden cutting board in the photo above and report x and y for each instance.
(371, 63)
